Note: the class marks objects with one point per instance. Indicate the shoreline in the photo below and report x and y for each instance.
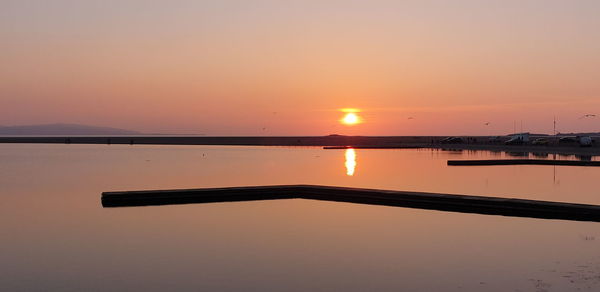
(328, 142)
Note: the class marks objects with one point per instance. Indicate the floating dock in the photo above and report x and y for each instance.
(522, 162)
(431, 201)
(378, 147)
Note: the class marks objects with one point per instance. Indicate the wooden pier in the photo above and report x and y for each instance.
(432, 201)
(523, 162)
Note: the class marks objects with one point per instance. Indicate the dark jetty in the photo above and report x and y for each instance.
(432, 201)
(378, 147)
(523, 162)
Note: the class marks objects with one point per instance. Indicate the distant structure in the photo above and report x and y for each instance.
(518, 138)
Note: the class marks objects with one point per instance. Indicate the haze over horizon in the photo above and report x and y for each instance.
(287, 67)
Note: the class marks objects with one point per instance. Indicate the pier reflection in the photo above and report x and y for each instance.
(350, 161)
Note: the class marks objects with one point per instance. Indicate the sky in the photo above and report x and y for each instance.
(271, 67)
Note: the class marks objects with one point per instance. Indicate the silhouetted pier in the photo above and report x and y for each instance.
(432, 201)
(523, 162)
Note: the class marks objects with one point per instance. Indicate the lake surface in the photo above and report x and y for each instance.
(56, 235)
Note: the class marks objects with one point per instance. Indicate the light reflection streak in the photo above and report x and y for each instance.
(350, 161)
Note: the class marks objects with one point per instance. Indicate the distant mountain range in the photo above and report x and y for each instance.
(63, 129)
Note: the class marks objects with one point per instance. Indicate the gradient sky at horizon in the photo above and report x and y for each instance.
(286, 67)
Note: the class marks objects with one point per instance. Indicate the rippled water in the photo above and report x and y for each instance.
(56, 235)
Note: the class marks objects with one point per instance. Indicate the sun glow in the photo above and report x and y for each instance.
(351, 117)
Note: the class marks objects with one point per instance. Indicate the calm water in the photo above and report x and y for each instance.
(56, 235)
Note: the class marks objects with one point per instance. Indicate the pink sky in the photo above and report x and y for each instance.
(287, 67)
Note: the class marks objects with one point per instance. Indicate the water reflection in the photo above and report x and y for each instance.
(539, 155)
(584, 157)
(41, 221)
(350, 161)
(517, 154)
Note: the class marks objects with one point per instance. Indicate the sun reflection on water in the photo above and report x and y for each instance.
(350, 161)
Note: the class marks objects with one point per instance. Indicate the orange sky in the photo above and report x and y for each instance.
(287, 67)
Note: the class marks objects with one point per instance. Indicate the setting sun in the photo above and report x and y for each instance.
(350, 119)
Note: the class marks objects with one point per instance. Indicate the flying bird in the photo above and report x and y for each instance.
(587, 116)
(487, 123)
(411, 118)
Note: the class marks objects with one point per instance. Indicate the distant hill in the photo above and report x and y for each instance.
(63, 129)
